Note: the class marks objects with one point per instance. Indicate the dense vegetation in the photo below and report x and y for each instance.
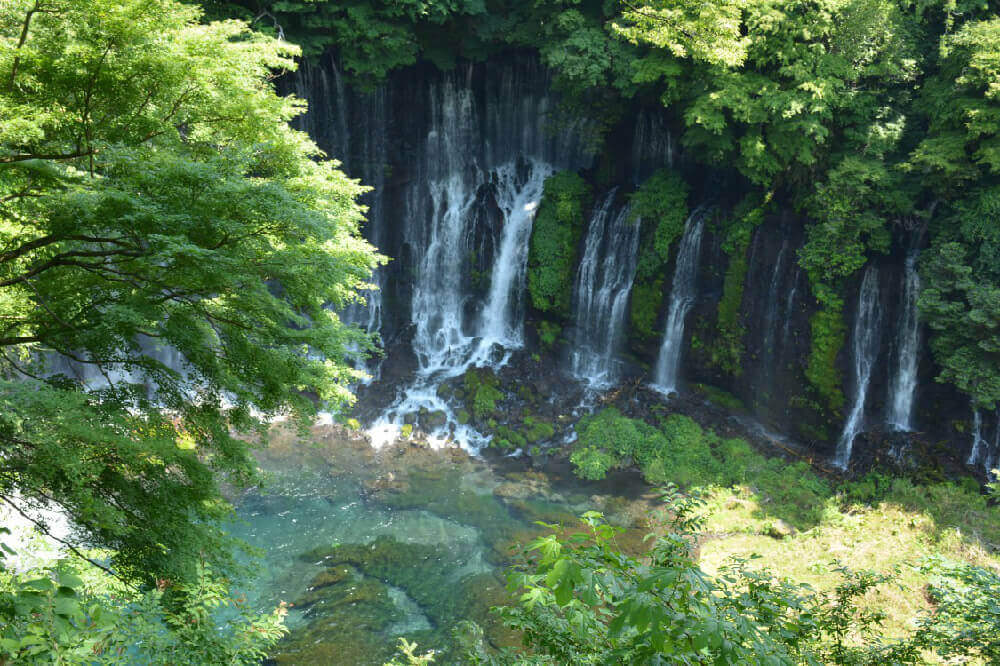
(154, 200)
(873, 119)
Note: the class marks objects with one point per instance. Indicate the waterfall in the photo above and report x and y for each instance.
(903, 386)
(977, 438)
(369, 162)
(768, 346)
(652, 145)
(867, 325)
(603, 283)
(682, 297)
(468, 202)
(790, 305)
(991, 460)
(502, 321)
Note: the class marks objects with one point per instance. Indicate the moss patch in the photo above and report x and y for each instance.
(660, 205)
(828, 334)
(555, 235)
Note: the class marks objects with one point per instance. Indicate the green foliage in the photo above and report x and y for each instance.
(537, 430)
(720, 397)
(481, 392)
(153, 198)
(555, 235)
(727, 353)
(679, 451)
(592, 463)
(966, 620)
(644, 308)
(828, 333)
(64, 613)
(583, 601)
(660, 205)
(961, 297)
(548, 333)
(408, 657)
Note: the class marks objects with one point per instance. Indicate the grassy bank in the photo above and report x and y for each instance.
(800, 521)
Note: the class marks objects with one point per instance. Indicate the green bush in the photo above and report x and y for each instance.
(555, 234)
(548, 333)
(536, 431)
(592, 463)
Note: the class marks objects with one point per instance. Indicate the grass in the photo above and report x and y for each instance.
(877, 522)
(897, 529)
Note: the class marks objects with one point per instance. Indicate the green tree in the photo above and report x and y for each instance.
(153, 197)
(584, 601)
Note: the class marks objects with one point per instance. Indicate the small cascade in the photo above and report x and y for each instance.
(867, 326)
(368, 161)
(603, 284)
(977, 438)
(786, 331)
(652, 145)
(903, 385)
(682, 297)
(326, 119)
(502, 320)
(769, 346)
(468, 205)
(992, 461)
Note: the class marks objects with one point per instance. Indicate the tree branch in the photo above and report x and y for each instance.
(44, 530)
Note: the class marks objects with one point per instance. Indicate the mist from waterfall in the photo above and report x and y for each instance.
(903, 385)
(865, 349)
(682, 297)
(601, 292)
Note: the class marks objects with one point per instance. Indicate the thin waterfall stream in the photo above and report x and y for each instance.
(867, 327)
(682, 297)
(977, 438)
(603, 284)
(903, 387)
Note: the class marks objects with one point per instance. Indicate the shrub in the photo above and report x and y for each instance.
(592, 463)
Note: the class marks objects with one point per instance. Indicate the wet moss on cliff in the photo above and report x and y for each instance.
(660, 205)
(727, 352)
(555, 237)
(828, 331)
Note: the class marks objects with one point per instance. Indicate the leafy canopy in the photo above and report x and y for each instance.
(156, 205)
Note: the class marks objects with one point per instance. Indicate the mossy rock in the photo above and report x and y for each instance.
(482, 392)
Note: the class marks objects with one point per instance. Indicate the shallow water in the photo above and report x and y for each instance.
(408, 542)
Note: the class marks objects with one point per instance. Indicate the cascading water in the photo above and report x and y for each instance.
(652, 145)
(603, 283)
(903, 386)
(867, 326)
(992, 461)
(475, 164)
(369, 163)
(786, 331)
(682, 297)
(977, 438)
(768, 343)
